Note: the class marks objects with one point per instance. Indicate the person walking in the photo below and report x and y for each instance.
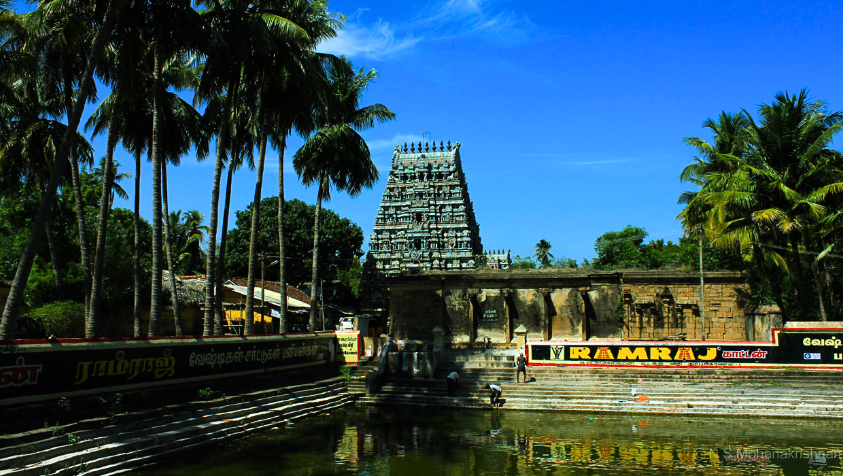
(453, 382)
(520, 368)
(495, 392)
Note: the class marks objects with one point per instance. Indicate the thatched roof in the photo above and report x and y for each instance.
(190, 289)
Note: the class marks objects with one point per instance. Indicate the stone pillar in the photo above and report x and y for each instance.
(521, 337)
(585, 320)
(361, 323)
(443, 309)
(546, 324)
(472, 319)
(438, 338)
(507, 325)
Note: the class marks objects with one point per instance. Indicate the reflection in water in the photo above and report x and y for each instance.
(407, 442)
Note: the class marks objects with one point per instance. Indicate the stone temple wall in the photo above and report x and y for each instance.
(473, 307)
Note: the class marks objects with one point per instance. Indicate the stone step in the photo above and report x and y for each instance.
(687, 386)
(43, 437)
(829, 399)
(654, 406)
(720, 391)
(89, 439)
(145, 420)
(633, 377)
(155, 450)
(111, 449)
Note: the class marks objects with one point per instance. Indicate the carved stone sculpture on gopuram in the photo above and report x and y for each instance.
(425, 220)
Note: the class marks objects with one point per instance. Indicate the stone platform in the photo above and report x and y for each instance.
(722, 392)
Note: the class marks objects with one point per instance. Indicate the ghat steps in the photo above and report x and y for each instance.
(143, 438)
(725, 392)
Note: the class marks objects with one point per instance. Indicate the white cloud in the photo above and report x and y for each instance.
(397, 139)
(601, 162)
(451, 19)
(377, 41)
(477, 18)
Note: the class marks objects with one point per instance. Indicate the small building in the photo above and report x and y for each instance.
(267, 306)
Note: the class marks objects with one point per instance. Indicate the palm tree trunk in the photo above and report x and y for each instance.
(774, 283)
(756, 250)
(218, 310)
(282, 276)
(137, 265)
(174, 296)
(819, 285)
(210, 262)
(158, 98)
(828, 283)
(77, 198)
(798, 275)
(249, 325)
(13, 301)
(54, 257)
(102, 229)
(315, 281)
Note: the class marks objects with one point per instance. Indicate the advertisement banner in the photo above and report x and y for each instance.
(349, 342)
(806, 348)
(39, 370)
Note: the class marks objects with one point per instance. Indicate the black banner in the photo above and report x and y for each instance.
(800, 347)
(32, 372)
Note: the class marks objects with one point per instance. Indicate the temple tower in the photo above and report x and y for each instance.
(425, 220)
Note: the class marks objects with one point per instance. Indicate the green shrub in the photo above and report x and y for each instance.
(205, 393)
(61, 318)
(346, 372)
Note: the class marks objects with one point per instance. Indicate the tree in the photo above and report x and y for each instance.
(336, 155)
(284, 94)
(10, 312)
(564, 262)
(523, 263)
(788, 146)
(543, 255)
(188, 233)
(341, 240)
(17, 211)
(770, 201)
(244, 29)
(619, 249)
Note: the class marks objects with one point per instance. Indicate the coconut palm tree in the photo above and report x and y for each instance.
(60, 41)
(188, 233)
(767, 200)
(543, 255)
(243, 29)
(716, 173)
(27, 149)
(336, 155)
(788, 143)
(15, 297)
(285, 95)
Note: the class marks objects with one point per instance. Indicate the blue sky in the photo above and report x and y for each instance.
(571, 115)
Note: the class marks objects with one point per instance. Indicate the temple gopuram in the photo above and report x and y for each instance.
(425, 221)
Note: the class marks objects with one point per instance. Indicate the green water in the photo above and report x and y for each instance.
(411, 441)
